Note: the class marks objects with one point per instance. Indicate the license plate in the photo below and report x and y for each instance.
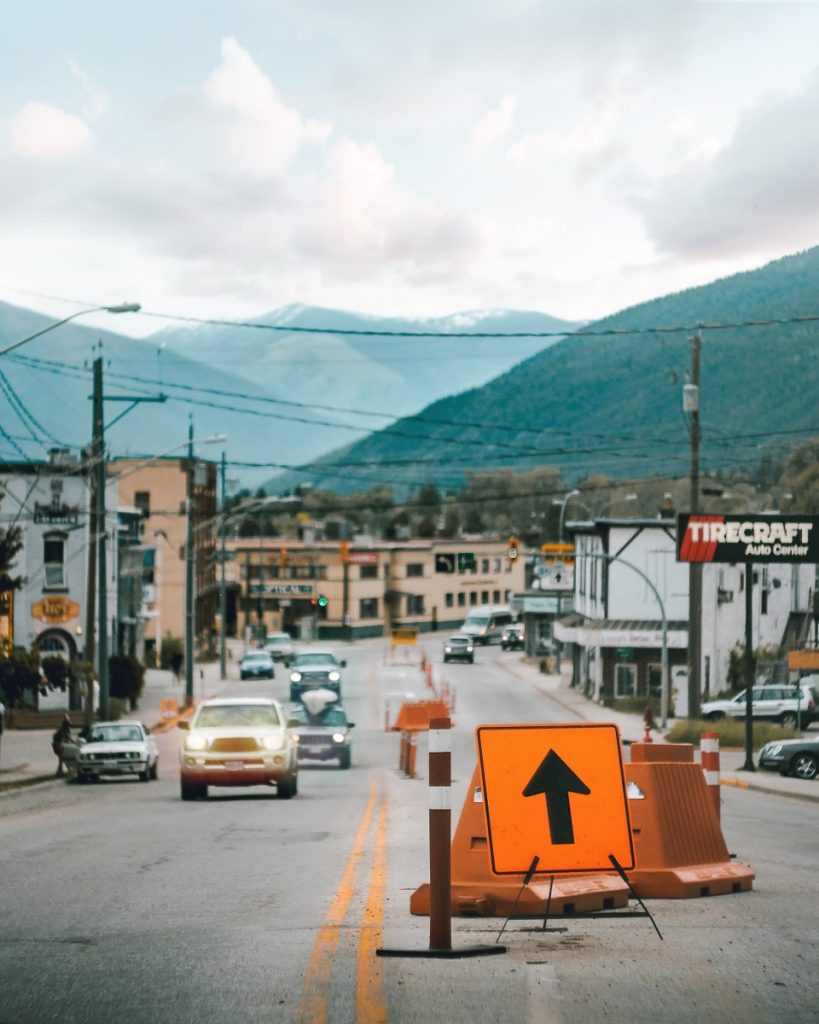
(233, 765)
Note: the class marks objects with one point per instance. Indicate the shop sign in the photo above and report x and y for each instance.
(55, 609)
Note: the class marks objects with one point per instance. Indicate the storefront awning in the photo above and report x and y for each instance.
(575, 629)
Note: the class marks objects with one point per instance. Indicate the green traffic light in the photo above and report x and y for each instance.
(322, 601)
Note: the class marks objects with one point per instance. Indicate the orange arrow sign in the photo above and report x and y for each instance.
(578, 769)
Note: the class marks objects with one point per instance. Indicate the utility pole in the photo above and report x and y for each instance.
(222, 584)
(91, 577)
(189, 600)
(692, 404)
(101, 537)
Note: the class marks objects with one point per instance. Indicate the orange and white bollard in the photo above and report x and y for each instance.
(440, 825)
(709, 756)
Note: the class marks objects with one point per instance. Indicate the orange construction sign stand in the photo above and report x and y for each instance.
(414, 716)
(679, 849)
(477, 892)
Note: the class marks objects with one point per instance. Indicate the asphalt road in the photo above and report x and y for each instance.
(120, 902)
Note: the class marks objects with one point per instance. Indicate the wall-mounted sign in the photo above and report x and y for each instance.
(56, 515)
(362, 558)
(445, 561)
(285, 589)
(747, 538)
(54, 609)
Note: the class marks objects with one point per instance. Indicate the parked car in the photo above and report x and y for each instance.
(238, 742)
(791, 757)
(772, 702)
(323, 736)
(513, 638)
(459, 648)
(117, 748)
(279, 646)
(315, 669)
(256, 665)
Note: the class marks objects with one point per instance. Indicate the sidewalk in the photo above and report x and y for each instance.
(632, 730)
(26, 757)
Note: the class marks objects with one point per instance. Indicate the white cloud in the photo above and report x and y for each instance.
(264, 134)
(40, 131)
(365, 220)
(757, 191)
(494, 126)
(95, 100)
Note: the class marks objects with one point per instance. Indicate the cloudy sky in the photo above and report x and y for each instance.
(226, 157)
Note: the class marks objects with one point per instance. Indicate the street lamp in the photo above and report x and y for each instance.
(563, 503)
(123, 307)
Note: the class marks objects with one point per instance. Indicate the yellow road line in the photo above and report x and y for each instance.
(371, 1004)
(313, 1005)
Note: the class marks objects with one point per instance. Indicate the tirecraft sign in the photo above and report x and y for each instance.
(747, 538)
(55, 609)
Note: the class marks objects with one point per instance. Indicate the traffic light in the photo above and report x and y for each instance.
(513, 548)
(322, 601)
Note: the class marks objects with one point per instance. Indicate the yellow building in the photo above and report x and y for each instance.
(335, 590)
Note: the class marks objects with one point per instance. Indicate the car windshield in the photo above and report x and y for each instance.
(256, 656)
(315, 659)
(477, 620)
(459, 640)
(278, 640)
(333, 716)
(219, 716)
(116, 734)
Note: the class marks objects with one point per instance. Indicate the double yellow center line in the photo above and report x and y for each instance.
(371, 1005)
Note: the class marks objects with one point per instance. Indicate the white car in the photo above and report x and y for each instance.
(785, 703)
(118, 748)
(279, 646)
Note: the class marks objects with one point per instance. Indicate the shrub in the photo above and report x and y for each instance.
(20, 676)
(57, 672)
(127, 678)
(638, 705)
(731, 732)
(116, 708)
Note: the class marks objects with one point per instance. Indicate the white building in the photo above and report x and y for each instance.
(614, 635)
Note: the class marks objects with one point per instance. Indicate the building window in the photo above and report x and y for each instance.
(142, 500)
(496, 597)
(484, 597)
(54, 561)
(449, 600)
(369, 572)
(368, 608)
(484, 565)
(497, 565)
(415, 604)
(473, 597)
(461, 599)
(415, 569)
(625, 679)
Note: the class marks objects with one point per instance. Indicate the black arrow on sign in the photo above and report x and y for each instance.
(555, 779)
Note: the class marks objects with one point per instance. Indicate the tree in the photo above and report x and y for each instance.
(11, 541)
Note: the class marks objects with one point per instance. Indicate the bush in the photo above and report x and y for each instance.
(126, 678)
(638, 705)
(116, 709)
(171, 645)
(19, 676)
(731, 732)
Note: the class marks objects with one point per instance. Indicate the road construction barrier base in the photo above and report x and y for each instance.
(576, 894)
(693, 882)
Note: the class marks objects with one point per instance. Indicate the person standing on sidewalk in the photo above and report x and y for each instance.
(58, 741)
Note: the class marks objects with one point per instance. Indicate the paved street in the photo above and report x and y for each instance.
(119, 899)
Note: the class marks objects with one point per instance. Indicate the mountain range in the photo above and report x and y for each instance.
(609, 398)
(282, 396)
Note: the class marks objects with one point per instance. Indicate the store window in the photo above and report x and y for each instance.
(54, 560)
(368, 608)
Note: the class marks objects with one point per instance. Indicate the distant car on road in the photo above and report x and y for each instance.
(238, 742)
(279, 646)
(118, 748)
(513, 638)
(791, 757)
(459, 648)
(324, 736)
(315, 669)
(772, 702)
(256, 665)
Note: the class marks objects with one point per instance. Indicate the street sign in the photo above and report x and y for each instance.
(445, 561)
(466, 561)
(555, 792)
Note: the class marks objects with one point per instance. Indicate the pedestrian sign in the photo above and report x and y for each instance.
(555, 792)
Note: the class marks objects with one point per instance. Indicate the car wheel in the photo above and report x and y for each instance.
(804, 766)
(146, 775)
(155, 769)
(192, 791)
(715, 716)
(471, 661)
(345, 758)
(286, 787)
(294, 694)
(788, 719)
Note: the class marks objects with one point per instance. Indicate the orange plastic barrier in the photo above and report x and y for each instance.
(414, 716)
(476, 892)
(168, 707)
(679, 849)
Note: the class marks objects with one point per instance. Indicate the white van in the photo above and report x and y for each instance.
(485, 623)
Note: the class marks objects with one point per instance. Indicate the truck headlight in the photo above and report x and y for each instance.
(295, 677)
(338, 737)
(334, 677)
(194, 742)
(272, 742)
